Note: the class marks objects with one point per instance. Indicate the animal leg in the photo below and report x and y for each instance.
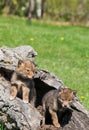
(33, 96)
(43, 113)
(13, 92)
(54, 118)
(25, 91)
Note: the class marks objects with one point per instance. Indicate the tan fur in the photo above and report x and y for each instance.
(25, 68)
(22, 80)
(57, 100)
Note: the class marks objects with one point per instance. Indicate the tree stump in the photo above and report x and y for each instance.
(17, 115)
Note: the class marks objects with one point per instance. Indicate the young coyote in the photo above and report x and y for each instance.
(55, 101)
(22, 81)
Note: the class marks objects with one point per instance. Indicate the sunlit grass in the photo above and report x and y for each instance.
(62, 50)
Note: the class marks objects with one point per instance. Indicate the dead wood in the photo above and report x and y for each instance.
(19, 116)
(16, 114)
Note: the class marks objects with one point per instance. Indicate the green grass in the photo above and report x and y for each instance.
(63, 50)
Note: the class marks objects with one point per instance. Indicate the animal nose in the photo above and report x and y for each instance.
(65, 106)
(32, 76)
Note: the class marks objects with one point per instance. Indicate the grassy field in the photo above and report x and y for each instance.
(63, 50)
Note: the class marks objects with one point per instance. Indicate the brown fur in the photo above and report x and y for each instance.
(56, 100)
(1, 76)
(22, 80)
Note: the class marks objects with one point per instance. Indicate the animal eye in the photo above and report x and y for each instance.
(62, 99)
(27, 70)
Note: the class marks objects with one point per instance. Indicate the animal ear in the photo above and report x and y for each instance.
(74, 92)
(33, 65)
(60, 89)
(20, 62)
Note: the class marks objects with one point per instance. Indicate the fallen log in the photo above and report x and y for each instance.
(15, 114)
(19, 116)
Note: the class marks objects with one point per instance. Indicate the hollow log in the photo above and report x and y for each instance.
(20, 116)
(15, 114)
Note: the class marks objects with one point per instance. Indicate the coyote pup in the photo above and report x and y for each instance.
(56, 100)
(22, 81)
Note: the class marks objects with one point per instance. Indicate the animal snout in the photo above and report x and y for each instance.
(31, 75)
(65, 104)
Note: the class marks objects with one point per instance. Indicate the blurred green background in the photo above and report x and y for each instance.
(73, 11)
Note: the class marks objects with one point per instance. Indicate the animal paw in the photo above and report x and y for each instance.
(12, 97)
(25, 101)
(57, 125)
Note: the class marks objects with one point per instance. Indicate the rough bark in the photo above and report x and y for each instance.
(19, 116)
(15, 114)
